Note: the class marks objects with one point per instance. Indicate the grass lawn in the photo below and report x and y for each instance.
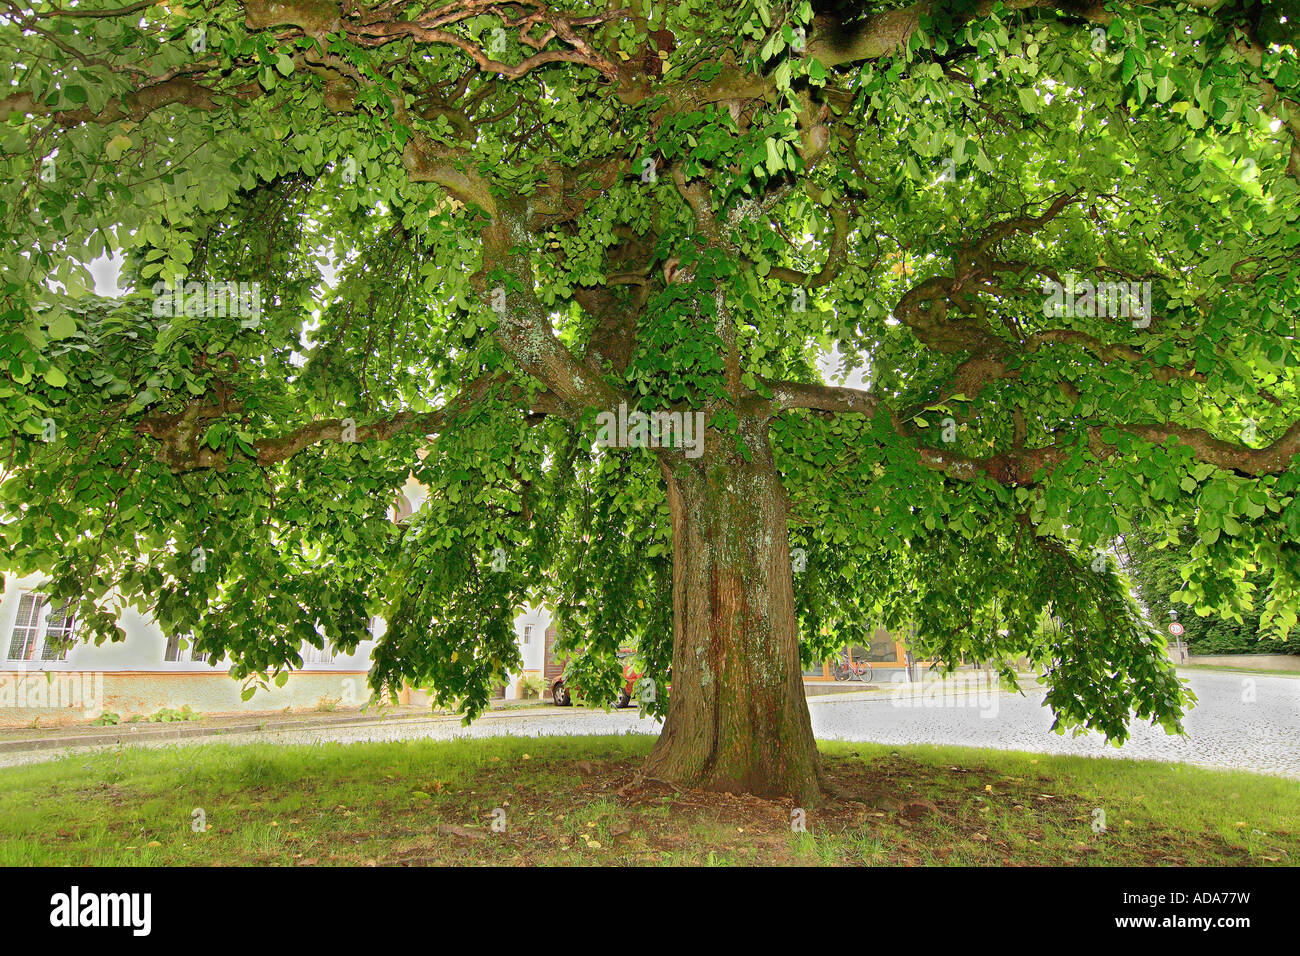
(566, 801)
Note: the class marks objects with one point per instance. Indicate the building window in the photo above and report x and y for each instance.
(26, 629)
(528, 634)
(883, 648)
(40, 626)
(180, 650)
(58, 633)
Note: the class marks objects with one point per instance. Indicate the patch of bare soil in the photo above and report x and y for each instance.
(883, 811)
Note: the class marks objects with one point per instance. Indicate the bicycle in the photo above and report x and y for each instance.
(854, 670)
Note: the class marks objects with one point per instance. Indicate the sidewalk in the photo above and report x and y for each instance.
(959, 684)
(24, 740)
(84, 735)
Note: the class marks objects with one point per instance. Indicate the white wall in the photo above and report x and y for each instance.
(143, 650)
(533, 652)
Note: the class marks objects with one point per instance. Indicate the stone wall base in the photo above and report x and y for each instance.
(55, 698)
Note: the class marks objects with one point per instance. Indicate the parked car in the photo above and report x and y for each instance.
(562, 695)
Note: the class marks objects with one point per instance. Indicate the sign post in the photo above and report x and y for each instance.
(1176, 630)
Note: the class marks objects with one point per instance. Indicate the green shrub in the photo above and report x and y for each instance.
(169, 715)
(532, 687)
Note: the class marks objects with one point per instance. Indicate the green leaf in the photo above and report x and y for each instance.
(116, 146)
(62, 325)
(774, 161)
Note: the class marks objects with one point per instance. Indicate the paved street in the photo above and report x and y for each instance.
(1238, 724)
(1223, 730)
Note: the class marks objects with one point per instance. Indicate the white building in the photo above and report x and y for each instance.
(47, 678)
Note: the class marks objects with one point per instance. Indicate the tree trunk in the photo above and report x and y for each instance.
(737, 718)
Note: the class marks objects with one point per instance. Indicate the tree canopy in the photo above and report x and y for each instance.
(1060, 238)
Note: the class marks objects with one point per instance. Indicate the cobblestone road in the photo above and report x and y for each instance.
(1243, 722)
(1247, 723)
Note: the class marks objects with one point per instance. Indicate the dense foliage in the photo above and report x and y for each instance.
(1229, 627)
(533, 211)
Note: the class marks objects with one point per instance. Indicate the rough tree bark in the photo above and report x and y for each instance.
(737, 717)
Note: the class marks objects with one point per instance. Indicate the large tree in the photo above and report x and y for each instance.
(532, 212)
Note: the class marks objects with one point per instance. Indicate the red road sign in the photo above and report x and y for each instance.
(1175, 629)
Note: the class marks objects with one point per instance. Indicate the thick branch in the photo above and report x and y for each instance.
(1025, 466)
(1230, 456)
(524, 328)
(453, 170)
(180, 435)
(134, 105)
(824, 398)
